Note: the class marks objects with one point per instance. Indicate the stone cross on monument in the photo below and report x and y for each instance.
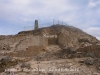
(36, 25)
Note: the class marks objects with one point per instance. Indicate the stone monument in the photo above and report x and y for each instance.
(36, 25)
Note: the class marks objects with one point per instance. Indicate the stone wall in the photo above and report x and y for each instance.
(31, 41)
(93, 50)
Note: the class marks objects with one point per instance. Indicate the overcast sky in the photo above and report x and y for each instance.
(15, 14)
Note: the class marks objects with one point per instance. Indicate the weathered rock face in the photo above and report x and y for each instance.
(67, 36)
(90, 51)
(29, 52)
(50, 43)
(6, 62)
(63, 36)
(6, 59)
(4, 46)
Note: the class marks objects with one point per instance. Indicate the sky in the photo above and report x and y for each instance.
(16, 15)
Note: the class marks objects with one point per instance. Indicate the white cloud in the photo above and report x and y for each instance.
(94, 31)
(94, 3)
(98, 37)
(21, 9)
(83, 14)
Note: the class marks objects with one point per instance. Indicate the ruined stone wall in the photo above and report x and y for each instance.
(31, 41)
(21, 42)
(52, 41)
(29, 52)
(93, 49)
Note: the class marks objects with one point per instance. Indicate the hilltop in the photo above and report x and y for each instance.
(68, 36)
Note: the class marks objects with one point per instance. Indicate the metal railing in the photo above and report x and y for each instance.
(53, 22)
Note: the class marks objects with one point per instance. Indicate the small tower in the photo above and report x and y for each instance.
(36, 25)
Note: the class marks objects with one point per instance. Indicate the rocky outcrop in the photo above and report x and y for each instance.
(4, 46)
(49, 43)
(29, 52)
(90, 51)
(6, 62)
(67, 36)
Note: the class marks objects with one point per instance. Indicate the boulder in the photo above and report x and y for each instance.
(89, 61)
(6, 59)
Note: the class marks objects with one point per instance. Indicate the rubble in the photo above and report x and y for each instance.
(6, 59)
(6, 62)
(4, 46)
(89, 61)
(25, 65)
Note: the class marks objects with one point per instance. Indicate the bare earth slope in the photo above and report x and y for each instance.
(67, 35)
(57, 46)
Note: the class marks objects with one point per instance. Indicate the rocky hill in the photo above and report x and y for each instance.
(67, 36)
(57, 42)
